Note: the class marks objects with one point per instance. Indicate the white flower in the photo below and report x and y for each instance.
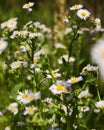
(4, 25)
(85, 108)
(53, 74)
(66, 20)
(97, 54)
(8, 128)
(13, 108)
(27, 96)
(65, 57)
(37, 56)
(83, 14)
(90, 68)
(28, 5)
(3, 45)
(75, 79)
(76, 7)
(30, 110)
(15, 33)
(64, 108)
(75, 126)
(59, 45)
(23, 33)
(47, 100)
(37, 24)
(84, 94)
(100, 104)
(98, 23)
(35, 35)
(15, 65)
(12, 23)
(22, 48)
(60, 87)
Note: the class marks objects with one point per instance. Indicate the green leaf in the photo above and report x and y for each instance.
(16, 89)
(3, 119)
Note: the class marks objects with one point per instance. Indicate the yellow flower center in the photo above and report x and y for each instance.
(35, 60)
(21, 32)
(76, 6)
(53, 73)
(28, 5)
(31, 98)
(74, 80)
(16, 66)
(60, 87)
(98, 23)
(83, 14)
(24, 95)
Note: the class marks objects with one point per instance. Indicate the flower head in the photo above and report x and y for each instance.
(83, 14)
(60, 87)
(27, 96)
(53, 74)
(13, 108)
(10, 24)
(97, 54)
(28, 5)
(30, 110)
(75, 80)
(84, 94)
(100, 104)
(15, 65)
(98, 23)
(3, 45)
(76, 7)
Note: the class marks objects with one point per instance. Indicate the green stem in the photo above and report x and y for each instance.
(98, 93)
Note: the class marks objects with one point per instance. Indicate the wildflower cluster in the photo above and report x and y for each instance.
(51, 86)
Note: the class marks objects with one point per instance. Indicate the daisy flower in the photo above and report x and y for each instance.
(28, 5)
(60, 87)
(13, 108)
(90, 68)
(83, 14)
(15, 65)
(28, 96)
(97, 54)
(100, 104)
(75, 79)
(23, 33)
(53, 74)
(12, 23)
(84, 94)
(76, 7)
(30, 110)
(3, 45)
(98, 23)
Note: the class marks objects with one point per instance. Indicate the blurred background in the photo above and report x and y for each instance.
(47, 11)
